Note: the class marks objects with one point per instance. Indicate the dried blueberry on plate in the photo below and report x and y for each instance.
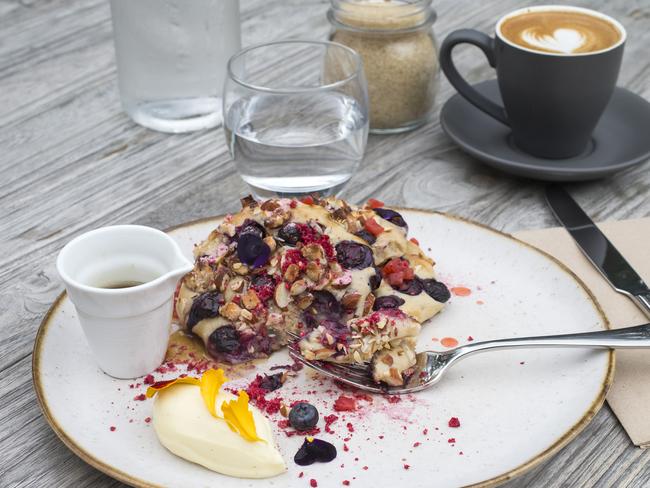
(271, 382)
(225, 339)
(314, 450)
(290, 233)
(389, 301)
(352, 255)
(436, 290)
(392, 216)
(204, 306)
(303, 416)
(252, 250)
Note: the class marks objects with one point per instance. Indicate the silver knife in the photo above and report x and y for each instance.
(593, 243)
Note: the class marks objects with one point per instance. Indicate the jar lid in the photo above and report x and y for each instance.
(382, 15)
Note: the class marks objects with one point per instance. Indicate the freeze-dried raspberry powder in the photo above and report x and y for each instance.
(345, 404)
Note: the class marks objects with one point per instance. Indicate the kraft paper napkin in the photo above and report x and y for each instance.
(629, 396)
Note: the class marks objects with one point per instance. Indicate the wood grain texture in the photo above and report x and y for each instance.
(71, 160)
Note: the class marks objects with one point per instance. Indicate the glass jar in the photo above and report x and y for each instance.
(396, 41)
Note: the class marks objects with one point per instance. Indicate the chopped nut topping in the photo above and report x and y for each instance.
(395, 374)
(269, 205)
(313, 252)
(270, 241)
(230, 311)
(292, 272)
(298, 287)
(350, 300)
(236, 284)
(367, 306)
(221, 278)
(248, 201)
(314, 271)
(246, 315)
(277, 218)
(227, 228)
(284, 410)
(281, 296)
(250, 299)
(304, 301)
(240, 268)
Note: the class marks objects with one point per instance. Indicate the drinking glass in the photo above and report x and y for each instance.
(296, 116)
(171, 60)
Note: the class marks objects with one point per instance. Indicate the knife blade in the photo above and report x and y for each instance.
(597, 248)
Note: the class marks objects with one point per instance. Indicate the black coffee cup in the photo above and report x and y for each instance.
(552, 102)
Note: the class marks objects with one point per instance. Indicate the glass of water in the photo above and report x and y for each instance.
(171, 59)
(296, 116)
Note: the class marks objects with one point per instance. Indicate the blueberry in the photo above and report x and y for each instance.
(352, 255)
(314, 450)
(366, 236)
(411, 287)
(204, 306)
(252, 250)
(271, 382)
(250, 227)
(337, 329)
(290, 233)
(375, 280)
(392, 216)
(436, 290)
(389, 301)
(225, 339)
(303, 416)
(324, 306)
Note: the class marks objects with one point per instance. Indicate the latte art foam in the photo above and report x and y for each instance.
(561, 41)
(560, 32)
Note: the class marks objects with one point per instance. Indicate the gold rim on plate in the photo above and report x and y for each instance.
(562, 441)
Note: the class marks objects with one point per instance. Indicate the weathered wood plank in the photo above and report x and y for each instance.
(70, 160)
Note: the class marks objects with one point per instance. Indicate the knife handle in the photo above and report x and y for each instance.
(643, 302)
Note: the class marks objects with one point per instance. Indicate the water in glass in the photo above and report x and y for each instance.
(171, 59)
(298, 143)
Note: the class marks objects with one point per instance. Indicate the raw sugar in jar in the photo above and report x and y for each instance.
(399, 50)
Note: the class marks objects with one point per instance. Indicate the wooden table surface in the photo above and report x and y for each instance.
(71, 161)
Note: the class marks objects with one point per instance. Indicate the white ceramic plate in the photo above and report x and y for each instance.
(516, 407)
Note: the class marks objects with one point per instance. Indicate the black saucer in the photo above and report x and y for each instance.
(620, 140)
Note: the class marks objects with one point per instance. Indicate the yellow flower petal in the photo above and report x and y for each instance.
(211, 382)
(239, 417)
(161, 385)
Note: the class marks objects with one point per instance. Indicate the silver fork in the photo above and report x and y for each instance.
(432, 365)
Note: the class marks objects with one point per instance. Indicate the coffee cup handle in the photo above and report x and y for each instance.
(486, 44)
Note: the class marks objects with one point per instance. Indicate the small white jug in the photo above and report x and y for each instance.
(121, 280)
